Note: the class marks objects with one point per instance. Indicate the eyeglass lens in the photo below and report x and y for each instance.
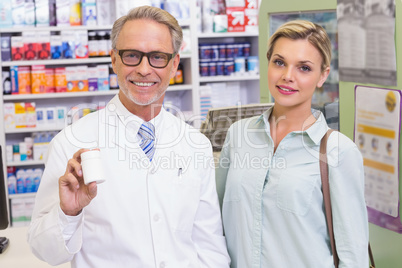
(155, 59)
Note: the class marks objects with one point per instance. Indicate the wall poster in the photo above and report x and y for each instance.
(377, 131)
(366, 37)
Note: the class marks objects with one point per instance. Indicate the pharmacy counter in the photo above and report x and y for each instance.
(18, 254)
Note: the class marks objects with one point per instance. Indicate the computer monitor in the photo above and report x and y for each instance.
(3, 196)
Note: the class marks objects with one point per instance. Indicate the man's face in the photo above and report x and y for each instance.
(143, 85)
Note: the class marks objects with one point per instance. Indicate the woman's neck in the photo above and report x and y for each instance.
(283, 121)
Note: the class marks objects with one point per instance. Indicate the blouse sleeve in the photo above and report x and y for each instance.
(346, 179)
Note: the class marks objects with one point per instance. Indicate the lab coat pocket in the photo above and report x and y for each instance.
(183, 201)
(295, 192)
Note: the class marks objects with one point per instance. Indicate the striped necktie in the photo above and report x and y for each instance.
(147, 135)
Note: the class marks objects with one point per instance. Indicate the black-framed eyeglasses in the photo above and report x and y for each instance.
(156, 59)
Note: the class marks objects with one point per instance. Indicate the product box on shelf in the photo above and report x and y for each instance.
(18, 218)
(92, 78)
(251, 20)
(24, 80)
(21, 211)
(20, 115)
(68, 47)
(17, 13)
(60, 79)
(220, 24)
(55, 46)
(88, 12)
(81, 44)
(42, 12)
(40, 116)
(82, 77)
(41, 143)
(43, 38)
(61, 116)
(50, 80)
(50, 116)
(106, 12)
(63, 12)
(71, 78)
(251, 4)
(29, 13)
(30, 45)
(38, 79)
(103, 77)
(30, 114)
(17, 47)
(52, 13)
(6, 20)
(5, 47)
(236, 19)
(235, 3)
(9, 115)
(75, 12)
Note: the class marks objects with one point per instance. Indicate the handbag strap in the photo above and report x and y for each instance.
(325, 193)
(327, 199)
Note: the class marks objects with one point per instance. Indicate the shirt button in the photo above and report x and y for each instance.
(162, 265)
(153, 170)
(258, 223)
(156, 217)
(256, 252)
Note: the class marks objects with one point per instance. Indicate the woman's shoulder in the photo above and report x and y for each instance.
(340, 146)
(248, 123)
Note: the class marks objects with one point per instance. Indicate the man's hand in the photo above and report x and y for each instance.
(74, 194)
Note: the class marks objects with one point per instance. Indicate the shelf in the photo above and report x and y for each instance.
(227, 34)
(183, 23)
(32, 129)
(57, 61)
(222, 78)
(66, 61)
(60, 95)
(179, 87)
(111, 92)
(24, 195)
(55, 28)
(25, 163)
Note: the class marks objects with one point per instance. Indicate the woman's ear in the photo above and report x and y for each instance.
(323, 78)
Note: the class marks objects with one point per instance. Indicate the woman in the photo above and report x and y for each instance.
(273, 205)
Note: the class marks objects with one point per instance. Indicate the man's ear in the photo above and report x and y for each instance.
(176, 61)
(113, 56)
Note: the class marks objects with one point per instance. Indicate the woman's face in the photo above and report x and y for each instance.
(294, 72)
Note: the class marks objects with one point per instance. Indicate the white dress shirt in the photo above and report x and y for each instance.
(163, 213)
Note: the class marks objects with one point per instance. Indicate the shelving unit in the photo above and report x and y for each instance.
(185, 96)
(249, 83)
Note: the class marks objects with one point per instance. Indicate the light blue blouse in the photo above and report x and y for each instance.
(272, 207)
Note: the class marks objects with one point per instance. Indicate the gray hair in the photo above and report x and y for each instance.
(152, 13)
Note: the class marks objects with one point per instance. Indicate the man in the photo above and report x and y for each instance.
(157, 207)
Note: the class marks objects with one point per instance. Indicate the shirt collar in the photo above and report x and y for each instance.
(315, 131)
(131, 121)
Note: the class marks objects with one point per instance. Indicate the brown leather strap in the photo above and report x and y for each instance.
(327, 199)
(325, 193)
(372, 265)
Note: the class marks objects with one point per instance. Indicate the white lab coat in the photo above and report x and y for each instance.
(164, 214)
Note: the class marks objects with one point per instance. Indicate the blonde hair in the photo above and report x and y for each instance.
(306, 30)
(152, 13)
